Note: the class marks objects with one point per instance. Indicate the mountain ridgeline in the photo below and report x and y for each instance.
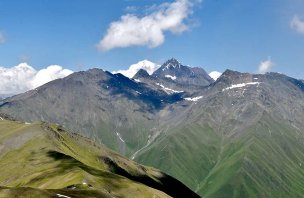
(239, 136)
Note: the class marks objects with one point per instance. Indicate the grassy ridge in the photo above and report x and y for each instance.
(39, 157)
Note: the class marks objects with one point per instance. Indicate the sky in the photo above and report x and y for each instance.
(253, 36)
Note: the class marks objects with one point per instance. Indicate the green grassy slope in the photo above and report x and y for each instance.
(188, 153)
(265, 160)
(245, 142)
(45, 159)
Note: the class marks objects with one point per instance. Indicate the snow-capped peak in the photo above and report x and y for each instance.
(215, 75)
(172, 63)
(147, 65)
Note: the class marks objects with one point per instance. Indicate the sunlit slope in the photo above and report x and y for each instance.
(36, 158)
(266, 160)
(188, 153)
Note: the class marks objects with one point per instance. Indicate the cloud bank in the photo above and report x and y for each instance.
(297, 24)
(148, 30)
(149, 66)
(23, 77)
(265, 66)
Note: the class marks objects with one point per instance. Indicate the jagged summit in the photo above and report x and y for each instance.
(171, 63)
(173, 70)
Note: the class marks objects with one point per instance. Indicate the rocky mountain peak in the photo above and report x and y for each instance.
(94, 74)
(171, 64)
(230, 76)
(141, 74)
(172, 71)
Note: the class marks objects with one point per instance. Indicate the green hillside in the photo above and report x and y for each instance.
(266, 160)
(45, 160)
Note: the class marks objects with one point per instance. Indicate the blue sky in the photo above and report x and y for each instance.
(219, 34)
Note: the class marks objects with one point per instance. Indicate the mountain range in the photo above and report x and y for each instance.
(239, 136)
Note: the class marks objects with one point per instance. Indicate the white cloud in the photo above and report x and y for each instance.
(297, 24)
(149, 66)
(265, 66)
(2, 38)
(132, 30)
(215, 75)
(23, 77)
(48, 74)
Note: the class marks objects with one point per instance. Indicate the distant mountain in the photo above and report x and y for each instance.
(173, 77)
(141, 74)
(44, 160)
(174, 70)
(245, 136)
(103, 106)
(238, 136)
(149, 66)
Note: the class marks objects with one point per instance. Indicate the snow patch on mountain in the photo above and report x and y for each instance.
(241, 85)
(119, 136)
(168, 90)
(147, 65)
(172, 77)
(215, 75)
(194, 99)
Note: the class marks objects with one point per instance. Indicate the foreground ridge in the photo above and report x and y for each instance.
(47, 161)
